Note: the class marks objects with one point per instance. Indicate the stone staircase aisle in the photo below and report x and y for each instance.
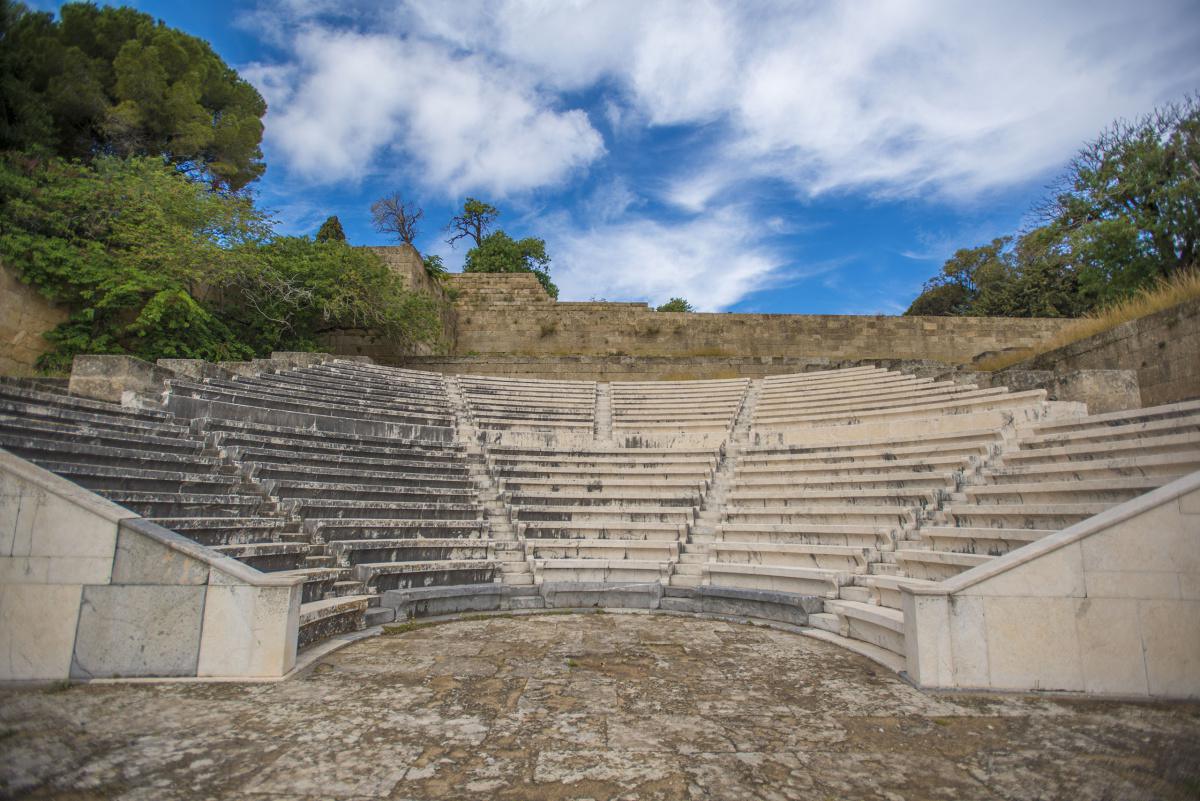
(604, 415)
(514, 569)
(689, 570)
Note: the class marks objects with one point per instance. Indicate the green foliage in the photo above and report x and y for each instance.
(676, 305)
(500, 253)
(155, 265)
(105, 80)
(475, 222)
(1126, 215)
(434, 267)
(1129, 210)
(331, 231)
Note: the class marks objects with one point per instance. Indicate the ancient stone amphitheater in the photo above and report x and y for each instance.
(228, 523)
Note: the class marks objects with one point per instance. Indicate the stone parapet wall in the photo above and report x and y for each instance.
(24, 316)
(494, 318)
(1164, 349)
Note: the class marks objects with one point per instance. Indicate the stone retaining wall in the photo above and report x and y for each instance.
(1164, 349)
(504, 314)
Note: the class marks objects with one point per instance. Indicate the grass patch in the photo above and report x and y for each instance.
(1165, 294)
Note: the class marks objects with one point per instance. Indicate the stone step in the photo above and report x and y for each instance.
(1168, 465)
(813, 581)
(328, 441)
(349, 553)
(383, 576)
(885, 590)
(1171, 443)
(801, 496)
(630, 482)
(14, 395)
(1190, 408)
(834, 514)
(72, 433)
(682, 580)
(322, 619)
(602, 529)
(644, 550)
(599, 570)
(898, 480)
(396, 465)
(987, 541)
(937, 565)
(1102, 490)
(616, 497)
(129, 457)
(916, 410)
(866, 402)
(609, 514)
(826, 621)
(102, 478)
(802, 533)
(213, 531)
(831, 557)
(301, 473)
(159, 505)
(366, 529)
(246, 394)
(269, 556)
(876, 625)
(344, 509)
(307, 491)
(1033, 516)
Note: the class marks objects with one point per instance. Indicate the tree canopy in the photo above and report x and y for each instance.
(331, 231)
(475, 222)
(155, 265)
(676, 305)
(500, 253)
(1126, 214)
(113, 81)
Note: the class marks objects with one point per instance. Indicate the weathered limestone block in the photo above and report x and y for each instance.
(117, 379)
(138, 630)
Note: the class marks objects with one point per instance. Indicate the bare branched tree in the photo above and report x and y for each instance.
(396, 216)
(474, 222)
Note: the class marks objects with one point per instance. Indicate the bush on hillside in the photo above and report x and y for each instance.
(155, 265)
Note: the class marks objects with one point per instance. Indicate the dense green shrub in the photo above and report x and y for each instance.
(155, 265)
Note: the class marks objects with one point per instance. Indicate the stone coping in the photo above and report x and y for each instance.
(1061, 539)
(111, 512)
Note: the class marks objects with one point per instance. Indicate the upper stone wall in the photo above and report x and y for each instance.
(510, 314)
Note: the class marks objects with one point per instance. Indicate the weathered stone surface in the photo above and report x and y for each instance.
(587, 706)
(138, 631)
(24, 316)
(114, 378)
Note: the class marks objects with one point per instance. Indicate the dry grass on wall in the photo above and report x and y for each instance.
(1165, 294)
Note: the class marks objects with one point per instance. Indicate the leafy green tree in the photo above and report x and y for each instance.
(475, 221)
(155, 265)
(1126, 214)
(1129, 206)
(500, 253)
(331, 231)
(676, 305)
(434, 267)
(114, 81)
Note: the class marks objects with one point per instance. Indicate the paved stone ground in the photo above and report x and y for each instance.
(587, 707)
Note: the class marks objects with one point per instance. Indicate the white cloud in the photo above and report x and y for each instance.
(347, 97)
(895, 96)
(713, 260)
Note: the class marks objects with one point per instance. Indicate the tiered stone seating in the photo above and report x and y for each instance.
(812, 520)
(601, 514)
(387, 512)
(1060, 473)
(816, 407)
(675, 412)
(1051, 475)
(500, 406)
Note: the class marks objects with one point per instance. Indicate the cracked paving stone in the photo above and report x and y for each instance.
(602, 707)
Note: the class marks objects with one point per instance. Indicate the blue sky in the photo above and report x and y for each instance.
(798, 157)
